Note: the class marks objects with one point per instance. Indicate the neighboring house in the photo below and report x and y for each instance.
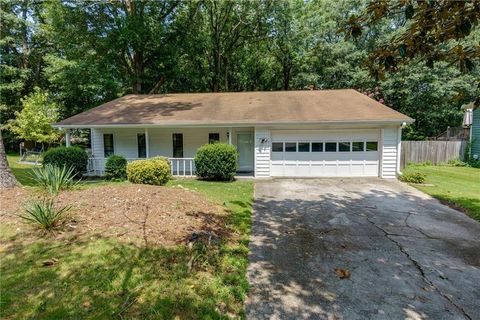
(471, 120)
(330, 133)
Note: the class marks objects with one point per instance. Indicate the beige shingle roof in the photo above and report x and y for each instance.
(238, 108)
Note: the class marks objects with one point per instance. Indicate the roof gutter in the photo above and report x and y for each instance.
(232, 124)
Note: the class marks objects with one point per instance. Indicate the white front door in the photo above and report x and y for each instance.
(245, 150)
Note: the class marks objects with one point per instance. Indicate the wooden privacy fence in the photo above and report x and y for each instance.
(434, 151)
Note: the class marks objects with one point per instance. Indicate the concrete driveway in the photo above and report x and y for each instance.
(409, 256)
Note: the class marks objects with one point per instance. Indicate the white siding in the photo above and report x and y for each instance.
(389, 152)
(262, 152)
(97, 143)
(193, 138)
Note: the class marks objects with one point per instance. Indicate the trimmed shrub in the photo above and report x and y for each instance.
(116, 168)
(151, 171)
(53, 179)
(414, 177)
(69, 157)
(216, 161)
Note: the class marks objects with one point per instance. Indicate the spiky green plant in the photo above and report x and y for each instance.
(44, 214)
(54, 179)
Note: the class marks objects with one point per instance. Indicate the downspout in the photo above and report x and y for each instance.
(399, 147)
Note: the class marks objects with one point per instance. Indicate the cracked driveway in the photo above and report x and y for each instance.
(409, 256)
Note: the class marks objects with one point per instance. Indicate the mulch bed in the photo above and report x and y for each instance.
(143, 214)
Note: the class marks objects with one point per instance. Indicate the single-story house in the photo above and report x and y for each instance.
(471, 120)
(327, 133)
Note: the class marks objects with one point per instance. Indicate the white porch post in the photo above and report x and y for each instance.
(67, 138)
(147, 144)
(229, 135)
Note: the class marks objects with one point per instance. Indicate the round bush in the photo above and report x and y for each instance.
(216, 161)
(116, 168)
(73, 157)
(414, 177)
(151, 171)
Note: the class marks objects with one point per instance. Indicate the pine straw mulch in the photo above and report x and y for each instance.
(142, 214)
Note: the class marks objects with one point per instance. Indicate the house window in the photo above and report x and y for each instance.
(290, 147)
(330, 147)
(372, 145)
(177, 145)
(317, 146)
(344, 146)
(277, 146)
(142, 145)
(358, 146)
(213, 137)
(304, 147)
(108, 145)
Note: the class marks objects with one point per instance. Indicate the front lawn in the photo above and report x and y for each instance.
(457, 186)
(94, 276)
(21, 171)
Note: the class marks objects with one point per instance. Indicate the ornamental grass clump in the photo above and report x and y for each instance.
(45, 214)
(53, 179)
(155, 171)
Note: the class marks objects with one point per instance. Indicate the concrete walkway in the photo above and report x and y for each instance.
(409, 257)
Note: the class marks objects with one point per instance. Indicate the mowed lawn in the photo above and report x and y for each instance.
(102, 278)
(458, 186)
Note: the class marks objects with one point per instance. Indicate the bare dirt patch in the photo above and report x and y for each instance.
(143, 214)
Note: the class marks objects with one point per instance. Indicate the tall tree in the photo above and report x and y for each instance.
(21, 54)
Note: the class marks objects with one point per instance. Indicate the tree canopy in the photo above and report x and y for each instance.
(422, 57)
(33, 122)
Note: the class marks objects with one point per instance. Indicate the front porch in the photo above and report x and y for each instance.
(179, 145)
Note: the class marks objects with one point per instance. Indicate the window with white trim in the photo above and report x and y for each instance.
(372, 146)
(358, 146)
(344, 146)
(277, 146)
(330, 147)
(290, 147)
(304, 147)
(108, 148)
(317, 146)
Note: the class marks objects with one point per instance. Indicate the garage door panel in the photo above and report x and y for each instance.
(325, 164)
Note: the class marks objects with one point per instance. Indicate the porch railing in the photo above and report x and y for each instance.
(180, 167)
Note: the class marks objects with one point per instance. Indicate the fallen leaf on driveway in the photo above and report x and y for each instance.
(342, 273)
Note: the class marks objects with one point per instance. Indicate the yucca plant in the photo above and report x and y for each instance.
(53, 179)
(44, 214)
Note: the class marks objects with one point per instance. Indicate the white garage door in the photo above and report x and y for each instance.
(325, 153)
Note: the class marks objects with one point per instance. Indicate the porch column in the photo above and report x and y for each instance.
(147, 144)
(229, 135)
(67, 138)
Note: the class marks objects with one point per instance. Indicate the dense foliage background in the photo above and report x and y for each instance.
(83, 53)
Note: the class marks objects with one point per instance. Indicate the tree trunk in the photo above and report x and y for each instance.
(7, 179)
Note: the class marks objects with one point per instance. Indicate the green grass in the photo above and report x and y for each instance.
(459, 186)
(21, 171)
(97, 278)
